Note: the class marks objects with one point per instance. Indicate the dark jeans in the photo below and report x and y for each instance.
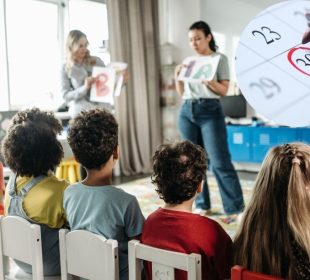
(201, 121)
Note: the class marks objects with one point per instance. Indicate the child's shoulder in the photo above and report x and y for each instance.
(108, 190)
(49, 182)
(121, 194)
(58, 182)
(212, 227)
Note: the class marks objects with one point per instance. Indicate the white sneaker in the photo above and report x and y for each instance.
(232, 218)
(207, 212)
(201, 212)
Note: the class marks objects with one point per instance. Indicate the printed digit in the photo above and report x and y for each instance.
(307, 57)
(271, 35)
(265, 85)
(101, 85)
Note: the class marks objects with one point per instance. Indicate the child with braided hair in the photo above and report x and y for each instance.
(274, 235)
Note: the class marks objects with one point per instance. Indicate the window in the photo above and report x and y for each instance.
(94, 25)
(32, 38)
(33, 53)
(220, 40)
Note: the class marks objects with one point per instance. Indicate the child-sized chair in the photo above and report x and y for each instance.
(2, 188)
(163, 262)
(88, 255)
(21, 240)
(240, 273)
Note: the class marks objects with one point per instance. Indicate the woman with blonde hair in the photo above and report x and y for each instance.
(76, 75)
(274, 236)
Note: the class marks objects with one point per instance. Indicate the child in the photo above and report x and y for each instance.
(178, 173)
(95, 204)
(32, 152)
(274, 236)
(42, 118)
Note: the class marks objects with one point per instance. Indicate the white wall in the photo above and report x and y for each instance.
(228, 17)
(175, 17)
(224, 16)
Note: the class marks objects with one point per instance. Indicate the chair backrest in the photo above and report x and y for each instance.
(240, 273)
(20, 240)
(2, 188)
(88, 255)
(163, 262)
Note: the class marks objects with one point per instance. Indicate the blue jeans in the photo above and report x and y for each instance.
(202, 122)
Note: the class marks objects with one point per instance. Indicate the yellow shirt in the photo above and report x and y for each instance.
(44, 202)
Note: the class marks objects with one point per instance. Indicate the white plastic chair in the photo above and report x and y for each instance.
(88, 255)
(163, 262)
(20, 240)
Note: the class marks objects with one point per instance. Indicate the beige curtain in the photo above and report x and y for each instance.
(133, 38)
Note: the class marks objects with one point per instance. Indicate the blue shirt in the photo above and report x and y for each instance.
(107, 211)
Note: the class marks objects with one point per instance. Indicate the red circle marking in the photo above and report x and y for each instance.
(290, 59)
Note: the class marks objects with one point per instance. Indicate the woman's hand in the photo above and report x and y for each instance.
(218, 87)
(178, 69)
(179, 85)
(125, 74)
(89, 82)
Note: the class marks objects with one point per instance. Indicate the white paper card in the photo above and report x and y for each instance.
(199, 68)
(103, 89)
(119, 68)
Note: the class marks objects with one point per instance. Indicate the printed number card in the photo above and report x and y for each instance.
(199, 68)
(273, 67)
(103, 89)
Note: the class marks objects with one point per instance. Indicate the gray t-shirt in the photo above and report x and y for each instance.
(74, 91)
(107, 211)
(195, 90)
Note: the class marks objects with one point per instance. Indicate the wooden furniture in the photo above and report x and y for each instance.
(163, 262)
(88, 255)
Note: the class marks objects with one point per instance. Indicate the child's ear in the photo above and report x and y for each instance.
(116, 153)
(199, 189)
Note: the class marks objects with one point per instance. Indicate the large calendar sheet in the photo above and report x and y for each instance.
(273, 67)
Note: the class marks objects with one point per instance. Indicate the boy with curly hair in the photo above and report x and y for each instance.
(95, 204)
(32, 152)
(178, 173)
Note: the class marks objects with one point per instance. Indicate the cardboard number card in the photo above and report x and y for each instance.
(103, 89)
(198, 69)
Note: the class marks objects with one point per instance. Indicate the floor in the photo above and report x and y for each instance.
(117, 180)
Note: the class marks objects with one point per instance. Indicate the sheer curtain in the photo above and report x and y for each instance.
(133, 38)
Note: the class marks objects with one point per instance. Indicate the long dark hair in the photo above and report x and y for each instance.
(205, 28)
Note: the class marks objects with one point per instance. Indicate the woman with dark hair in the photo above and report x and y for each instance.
(201, 121)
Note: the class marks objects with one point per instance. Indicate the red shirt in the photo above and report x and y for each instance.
(190, 233)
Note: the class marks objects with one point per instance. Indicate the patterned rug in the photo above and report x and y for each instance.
(149, 201)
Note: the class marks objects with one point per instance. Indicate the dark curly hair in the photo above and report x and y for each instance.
(93, 136)
(31, 150)
(35, 115)
(177, 170)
